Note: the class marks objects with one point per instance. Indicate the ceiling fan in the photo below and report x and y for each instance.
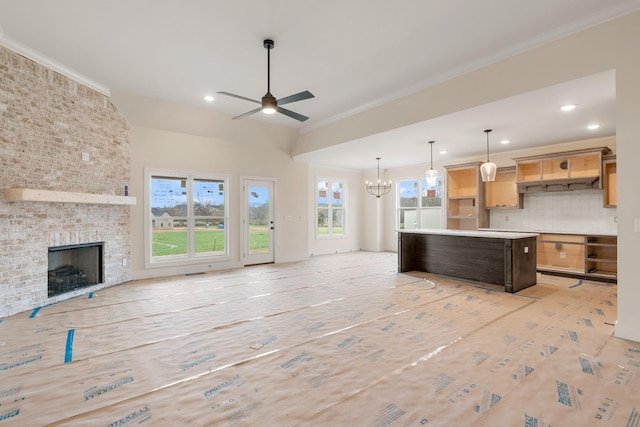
(269, 103)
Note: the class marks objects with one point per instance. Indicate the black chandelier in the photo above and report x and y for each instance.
(378, 188)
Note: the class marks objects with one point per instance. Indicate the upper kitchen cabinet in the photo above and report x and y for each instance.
(503, 192)
(465, 198)
(610, 181)
(569, 170)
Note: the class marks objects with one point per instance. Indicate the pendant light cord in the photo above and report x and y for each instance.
(431, 144)
(487, 132)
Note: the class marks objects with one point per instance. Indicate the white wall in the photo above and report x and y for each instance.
(260, 152)
(354, 224)
(625, 45)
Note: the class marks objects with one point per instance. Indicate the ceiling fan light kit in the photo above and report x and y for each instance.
(270, 104)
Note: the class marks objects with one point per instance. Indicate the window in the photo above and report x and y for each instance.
(330, 213)
(187, 217)
(419, 205)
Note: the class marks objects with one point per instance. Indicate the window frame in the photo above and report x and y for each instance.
(191, 257)
(330, 208)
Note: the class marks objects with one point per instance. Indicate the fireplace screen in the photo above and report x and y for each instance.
(75, 266)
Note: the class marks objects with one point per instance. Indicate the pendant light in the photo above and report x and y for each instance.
(431, 175)
(378, 188)
(488, 169)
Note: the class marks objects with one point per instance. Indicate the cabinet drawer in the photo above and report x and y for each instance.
(566, 238)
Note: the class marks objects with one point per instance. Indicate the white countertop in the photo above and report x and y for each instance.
(591, 233)
(472, 233)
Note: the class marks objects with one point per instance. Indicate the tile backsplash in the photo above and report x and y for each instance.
(561, 212)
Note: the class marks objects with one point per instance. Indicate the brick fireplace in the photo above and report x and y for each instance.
(61, 136)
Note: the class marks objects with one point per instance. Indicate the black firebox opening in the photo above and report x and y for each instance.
(73, 267)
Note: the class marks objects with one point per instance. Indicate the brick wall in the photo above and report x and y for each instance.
(46, 122)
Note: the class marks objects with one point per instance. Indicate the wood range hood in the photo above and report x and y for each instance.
(565, 171)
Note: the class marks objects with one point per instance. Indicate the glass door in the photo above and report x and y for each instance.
(258, 222)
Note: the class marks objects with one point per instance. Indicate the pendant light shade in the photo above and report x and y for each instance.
(379, 188)
(431, 175)
(488, 169)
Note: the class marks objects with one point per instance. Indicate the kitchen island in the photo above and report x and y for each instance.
(501, 258)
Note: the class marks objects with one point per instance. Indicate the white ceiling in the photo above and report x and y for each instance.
(351, 54)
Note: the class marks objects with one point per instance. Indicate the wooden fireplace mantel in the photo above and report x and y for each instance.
(32, 195)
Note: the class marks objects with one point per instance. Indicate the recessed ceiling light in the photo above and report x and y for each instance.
(505, 141)
(593, 126)
(443, 152)
(568, 107)
(208, 98)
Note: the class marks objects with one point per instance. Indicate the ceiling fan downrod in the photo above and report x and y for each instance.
(268, 44)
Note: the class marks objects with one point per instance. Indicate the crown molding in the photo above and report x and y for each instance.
(27, 52)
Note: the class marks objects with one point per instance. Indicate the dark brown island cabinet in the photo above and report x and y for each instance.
(501, 258)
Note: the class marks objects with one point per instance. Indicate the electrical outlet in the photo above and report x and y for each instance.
(563, 255)
(85, 157)
(124, 262)
(526, 249)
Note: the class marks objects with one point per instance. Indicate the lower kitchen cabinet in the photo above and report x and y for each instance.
(590, 256)
(602, 256)
(500, 258)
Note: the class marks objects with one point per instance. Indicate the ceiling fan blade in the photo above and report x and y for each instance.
(268, 100)
(292, 114)
(248, 113)
(240, 97)
(296, 97)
